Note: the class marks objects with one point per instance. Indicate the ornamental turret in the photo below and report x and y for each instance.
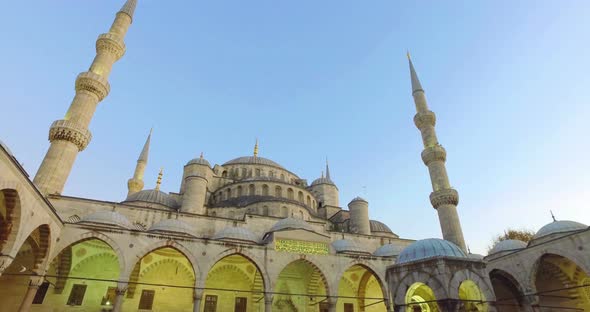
(135, 184)
(359, 216)
(326, 192)
(443, 197)
(197, 174)
(70, 135)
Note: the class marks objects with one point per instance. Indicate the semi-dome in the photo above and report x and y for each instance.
(253, 160)
(430, 248)
(388, 250)
(107, 217)
(377, 226)
(348, 246)
(172, 226)
(236, 234)
(507, 245)
(153, 196)
(562, 226)
(291, 224)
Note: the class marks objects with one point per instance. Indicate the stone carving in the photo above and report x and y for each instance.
(434, 153)
(444, 197)
(110, 43)
(424, 119)
(93, 83)
(71, 131)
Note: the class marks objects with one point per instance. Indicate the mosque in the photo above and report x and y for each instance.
(251, 235)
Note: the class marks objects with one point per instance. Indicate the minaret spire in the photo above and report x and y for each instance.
(443, 197)
(70, 135)
(135, 184)
(256, 148)
(327, 170)
(159, 181)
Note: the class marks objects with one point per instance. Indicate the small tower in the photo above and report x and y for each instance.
(443, 197)
(326, 193)
(135, 184)
(197, 173)
(359, 216)
(70, 135)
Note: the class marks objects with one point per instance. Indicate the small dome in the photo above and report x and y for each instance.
(560, 227)
(475, 256)
(358, 198)
(322, 180)
(253, 160)
(507, 245)
(107, 217)
(346, 245)
(388, 250)
(377, 226)
(430, 248)
(5, 147)
(291, 224)
(236, 233)
(153, 196)
(172, 226)
(199, 161)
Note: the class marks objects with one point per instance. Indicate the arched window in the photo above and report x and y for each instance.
(278, 191)
(271, 174)
(258, 172)
(251, 190)
(224, 174)
(290, 194)
(284, 212)
(265, 211)
(264, 190)
(282, 177)
(300, 196)
(244, 172)
(228, 191)
(308, 201)
(240, 192)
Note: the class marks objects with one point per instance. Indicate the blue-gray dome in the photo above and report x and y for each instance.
(236, 233)
(199, 161)
(430, 248)
(107, 217)
(253, 160)
(388, 250)
(153, 196)
(377, 226)
(291, 224)
(507, 245)
(358, 198)
(322, 180)
(172, 226)
(348, 246)
(560, 227)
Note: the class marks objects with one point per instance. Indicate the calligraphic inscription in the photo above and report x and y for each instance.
(301, 247)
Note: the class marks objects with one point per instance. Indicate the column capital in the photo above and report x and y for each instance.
(444, 197)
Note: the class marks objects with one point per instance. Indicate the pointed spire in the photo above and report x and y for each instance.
(256, 148)
(129, 8)
(159, 181)
(416, 86)
(322, 174)
(552, 216)
(201, 157)
(146, 148)
(327, 170)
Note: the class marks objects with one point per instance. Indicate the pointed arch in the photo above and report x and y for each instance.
(10, 221)
(144, 251)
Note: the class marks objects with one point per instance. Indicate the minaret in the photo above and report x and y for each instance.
(70, 135)
(159, 181)
(135, 184)
(443, 198)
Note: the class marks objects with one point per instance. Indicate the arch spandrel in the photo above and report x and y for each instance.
(459, 277)
(16, 210)
(413, 277)
(379, 275)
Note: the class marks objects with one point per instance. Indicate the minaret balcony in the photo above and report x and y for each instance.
(93, 83)
(71, 131)
(424, 119)
(444, 197)
(110, 43)
(434, 153)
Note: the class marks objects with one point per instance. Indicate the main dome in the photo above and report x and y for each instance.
(560, 227)
(253, 160)
(430, 248)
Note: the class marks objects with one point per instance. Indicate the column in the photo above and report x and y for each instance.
(267, 303)
(119, 297)
(34, 284)
(197, 298)
(5, 261)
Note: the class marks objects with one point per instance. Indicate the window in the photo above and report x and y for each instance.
(348, 307)
(240, 193)
(251, 190)
(77, 295)
(271, 174)
(258, 172)
(265, 190)
(41, 291)
(109, 297)
(278, 191)
(147, 299)
(300, 196)
(240, 305)
(210, 303)
(244, 172)
(290, 194)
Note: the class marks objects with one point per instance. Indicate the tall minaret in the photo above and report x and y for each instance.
(70, 135)
(443, 198)
(135, 184)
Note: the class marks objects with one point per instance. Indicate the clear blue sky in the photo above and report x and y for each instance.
(508, 81)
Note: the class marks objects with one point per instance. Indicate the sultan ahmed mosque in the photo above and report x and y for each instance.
(248, 234)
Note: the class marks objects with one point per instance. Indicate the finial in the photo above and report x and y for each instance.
(327, 169)
(201, 155)
(322, 174)
(468, 250)
(159, 181)
(552, 216)
(416, 86)
(256, 148)
(408, 55)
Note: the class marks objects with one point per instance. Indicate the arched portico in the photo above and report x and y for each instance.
(424, 285)
(302, 286)
(472, 290)
(509, 293)
(361, 289)
(10, 211)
